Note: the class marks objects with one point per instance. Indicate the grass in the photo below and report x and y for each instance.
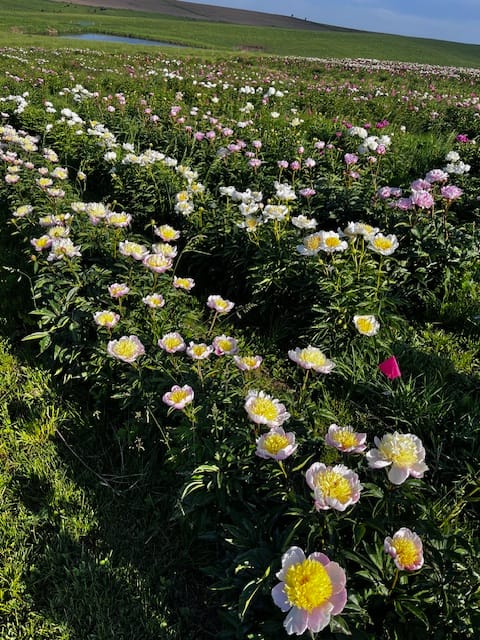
(38, 22)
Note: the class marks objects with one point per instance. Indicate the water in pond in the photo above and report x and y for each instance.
(105, 37)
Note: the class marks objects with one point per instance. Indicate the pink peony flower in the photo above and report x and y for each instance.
(311, 590)
(334, 487)
(276, 444)
(345, 439)
(406, 549)
(178, 397)
(403, 451)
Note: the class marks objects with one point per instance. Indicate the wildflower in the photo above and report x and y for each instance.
(224, 345)
(302, 222)
(186, 284)
(275, 212)
(311, 590)
(118, 289)
(451, 192)
(23, 210)
(157, 262)
(263, 409)
(334, 487)
(384, 245)
(247, 363)
(106, 319)
(311, 358)
(366, 325)
(360, 229)
(219, 304)
(41, 243)
(119, 219)
(61, 248)
(331, 242)
(276, 444)
(406, 549)
(172, 342)
(132, 249)
(127, 348)
(199, 350)
(345, 439)
(403, 451)
(178, 397)
(311, 245)
(166, 233)
(154, 300)
(422, 199)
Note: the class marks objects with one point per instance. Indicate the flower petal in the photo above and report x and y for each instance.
(397, 475)
(296, 621)
(294, 555)
(280, 598)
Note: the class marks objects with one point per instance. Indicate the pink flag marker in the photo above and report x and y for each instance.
(390, 368)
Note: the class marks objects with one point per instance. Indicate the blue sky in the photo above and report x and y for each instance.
(457, 20)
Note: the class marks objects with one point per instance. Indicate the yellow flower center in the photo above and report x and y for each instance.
(198, 349)
(275, 442)
(224, 345)
(179, 395)
(364, 325)
(382, 243)
(221, 304)
(308, 585)
(251, 223)
(345, 437)
(126, 349)
(312, 356)
(312, 243)
(182, 282)
(168, 233)
(406, 551)
(42, 242)
(106, 317)
(264, 407)
(334, 485)
(400, 449)
(171, 342)
(249, 361)
(332, 241)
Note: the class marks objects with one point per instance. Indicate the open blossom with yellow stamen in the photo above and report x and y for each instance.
(331, 242)
(41, 243)
(118, 289)
(403, 451)
(366, 325)
(219, 304)
(172, 342)
(224, 345)
(334, 487)
(154, 300)
(186, 284)
(263, 409)
(166, 233)
(178, 397)
(311, 245)
(311, 590)
(106, 319)
(248, 363)
(276, 444)
(345, 439)
(199, 350)
(127, 348)
(157, 262)
(311, 358)
(384, 245)
(406, 549)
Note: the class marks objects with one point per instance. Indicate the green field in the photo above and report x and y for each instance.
(42, 21)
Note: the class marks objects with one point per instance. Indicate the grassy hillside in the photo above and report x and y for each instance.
(39, 22)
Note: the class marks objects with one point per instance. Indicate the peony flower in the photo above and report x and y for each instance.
(219, 304)
(154, 300)
(186, 284)
(451, 192)
(157, 262)
(178, 397)
(311, 358)
(166, 233)
(345, 439)
(334, 487)
(224, 345)
(247, 363)
(406, 549)
(311, 590)
(331, 242)
(106, 319)
(311, 244)
(127, 348)
(172, 342)
(118, 289)
(199, 351)
(276, 444)
(403, 451)
(263, 409)
(366, 325)
(384, 245)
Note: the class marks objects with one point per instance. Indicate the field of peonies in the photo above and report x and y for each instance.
(262, 282)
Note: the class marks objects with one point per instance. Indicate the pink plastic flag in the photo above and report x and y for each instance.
(390, 368)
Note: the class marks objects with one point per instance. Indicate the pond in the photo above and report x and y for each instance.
(105, 37)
